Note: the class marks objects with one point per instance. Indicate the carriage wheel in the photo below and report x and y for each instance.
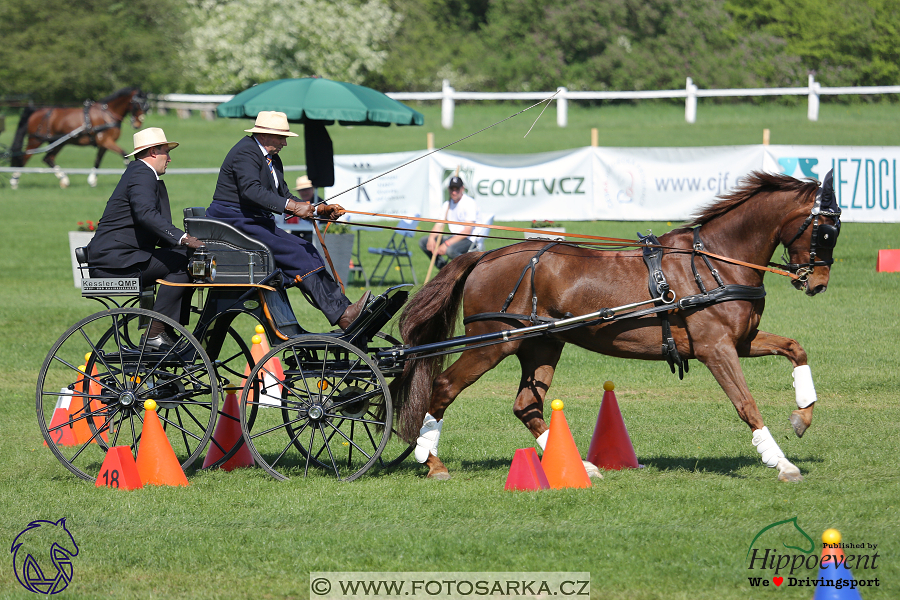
(396, 450)
(333, 407)
(230, 364)
(83, 413)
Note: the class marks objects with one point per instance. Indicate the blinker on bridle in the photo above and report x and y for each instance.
(824, 235)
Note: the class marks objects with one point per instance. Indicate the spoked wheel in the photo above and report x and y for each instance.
(93, 384)
(331, 413)
(230, 356)
(396, 450)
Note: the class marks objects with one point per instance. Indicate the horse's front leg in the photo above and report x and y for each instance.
(50, 160)
(726, 368)
(767, 344)
(471, 365)
(92, 177)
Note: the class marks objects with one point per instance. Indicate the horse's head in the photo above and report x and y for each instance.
(810, 240)
(139, 107)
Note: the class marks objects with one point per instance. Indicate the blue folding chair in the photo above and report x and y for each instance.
(396, 252)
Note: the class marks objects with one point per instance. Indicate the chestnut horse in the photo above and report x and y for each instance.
(742, 230)
(96, 123)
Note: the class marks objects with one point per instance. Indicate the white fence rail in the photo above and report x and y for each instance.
(184, 103)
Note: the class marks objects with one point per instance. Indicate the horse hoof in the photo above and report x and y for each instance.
(439, 476)
(798, 424)
(14, 185)
(790, 477)
(592, 470)
(64, 183)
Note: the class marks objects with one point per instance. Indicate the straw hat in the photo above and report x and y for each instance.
(270, 121)
(147, 138)
(303, 183)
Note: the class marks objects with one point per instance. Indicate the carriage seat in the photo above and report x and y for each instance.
(239, 257)
(106, 287)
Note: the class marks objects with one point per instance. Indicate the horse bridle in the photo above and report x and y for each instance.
(824, 235)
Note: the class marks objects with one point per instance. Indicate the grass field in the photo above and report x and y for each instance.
(679, 528)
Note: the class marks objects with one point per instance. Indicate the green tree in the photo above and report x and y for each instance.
(65, 51)
(237, 43)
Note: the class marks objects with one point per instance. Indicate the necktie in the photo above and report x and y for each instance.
(272, 169)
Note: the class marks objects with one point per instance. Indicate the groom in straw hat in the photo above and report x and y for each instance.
(251, 187)
(135, 236)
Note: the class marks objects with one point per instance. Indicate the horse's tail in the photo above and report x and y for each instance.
(18, 156)
(429, 317)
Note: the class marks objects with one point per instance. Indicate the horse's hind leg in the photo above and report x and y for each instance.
(32, 144)
(726, 368)
(50, 159)
(470, 366)
(767, 344)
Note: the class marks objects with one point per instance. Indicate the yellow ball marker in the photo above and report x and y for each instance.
(609, 386)
(260, 329)
(150, 405)
(557, 404)
(256, 339)
(831, 536)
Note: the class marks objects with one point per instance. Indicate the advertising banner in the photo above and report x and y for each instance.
(402, 191)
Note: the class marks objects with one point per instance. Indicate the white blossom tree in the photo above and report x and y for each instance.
(237, 43)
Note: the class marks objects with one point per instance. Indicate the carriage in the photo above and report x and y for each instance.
(323, 400)
(331, 403)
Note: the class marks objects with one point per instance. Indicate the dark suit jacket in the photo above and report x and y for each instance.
(136, 220)
(245, 183)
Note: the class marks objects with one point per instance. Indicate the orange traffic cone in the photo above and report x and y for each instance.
(119, 470)
(270, 389)
(93, 388)
(526, 472)
(226, 435)
(156, 461)
(610, 445)
(561, 461)
(59, 428)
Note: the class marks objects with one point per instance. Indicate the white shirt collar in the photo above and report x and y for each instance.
(151, 168)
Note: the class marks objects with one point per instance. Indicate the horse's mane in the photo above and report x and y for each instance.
(755, 183)
(119, 94)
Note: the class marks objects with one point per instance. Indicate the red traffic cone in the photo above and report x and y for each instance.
(888, 261)
(156, 461)
(119, 470)
(59, 429)
(561, 461)
(610, 445)
(226, 435)
(526, 472)
(93, 388)
(833, 566)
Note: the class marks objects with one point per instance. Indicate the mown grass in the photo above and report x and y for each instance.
(678, 528)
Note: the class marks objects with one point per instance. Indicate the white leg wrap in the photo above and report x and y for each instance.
(767, 447)
(803, 386)
(63, 178)
(429, 436)
(542, 440)
(92, 178)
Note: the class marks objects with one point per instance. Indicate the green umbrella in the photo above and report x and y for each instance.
(322, 101)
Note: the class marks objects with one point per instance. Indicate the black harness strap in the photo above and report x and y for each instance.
(659, 289)
(532, 264)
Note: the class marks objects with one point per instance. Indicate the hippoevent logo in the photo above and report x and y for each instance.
(782, 553)
(42, 556)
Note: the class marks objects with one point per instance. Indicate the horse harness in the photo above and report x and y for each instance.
(87, 129)
(663, 298)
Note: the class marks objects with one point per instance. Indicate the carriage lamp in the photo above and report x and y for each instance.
(202, 266)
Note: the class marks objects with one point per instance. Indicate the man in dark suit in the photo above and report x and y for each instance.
(136, 237)
(251, 187)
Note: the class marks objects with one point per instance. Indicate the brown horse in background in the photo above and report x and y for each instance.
(748, 225)
(96, 124)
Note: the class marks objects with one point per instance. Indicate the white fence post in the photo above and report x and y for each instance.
(562, 107)
(447, 105)
(690, 103)
(812, 111)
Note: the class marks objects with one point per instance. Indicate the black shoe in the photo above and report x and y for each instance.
(160, 342)
(353, 311)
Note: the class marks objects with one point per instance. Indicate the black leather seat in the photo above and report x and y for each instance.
(239, 257)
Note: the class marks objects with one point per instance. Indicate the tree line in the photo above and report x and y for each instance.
(68, 50)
